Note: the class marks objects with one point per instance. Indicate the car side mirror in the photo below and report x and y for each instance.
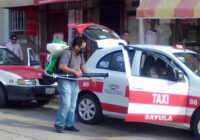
(180, 76)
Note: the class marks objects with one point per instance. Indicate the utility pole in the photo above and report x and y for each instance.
(141, 29)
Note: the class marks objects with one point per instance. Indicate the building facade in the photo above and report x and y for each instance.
(4, 26)
(36, 25)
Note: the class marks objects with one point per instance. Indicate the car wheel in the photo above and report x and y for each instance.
(196, 125)
(3, 100)
(43, 102)
(89, 109)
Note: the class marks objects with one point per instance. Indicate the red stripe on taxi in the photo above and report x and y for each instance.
(163, 99)
(158, 118)
(158, 98)
(193, 102)
(87, 85)
(114, 108)
(127, 92)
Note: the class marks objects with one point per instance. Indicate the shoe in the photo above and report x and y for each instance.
(72, 128)
(59, 129)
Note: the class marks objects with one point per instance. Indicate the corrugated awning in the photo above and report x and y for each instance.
(40, 2)
(169, 9)
(15, 3)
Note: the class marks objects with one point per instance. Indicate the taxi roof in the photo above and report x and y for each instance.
(160, 48)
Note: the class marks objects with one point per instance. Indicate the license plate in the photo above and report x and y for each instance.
(50, 91)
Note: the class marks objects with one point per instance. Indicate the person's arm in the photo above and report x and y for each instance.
(84, 70)
(67, 69)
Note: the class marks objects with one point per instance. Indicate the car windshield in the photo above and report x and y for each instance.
(98, 33)
(8, 58)
(191, 60)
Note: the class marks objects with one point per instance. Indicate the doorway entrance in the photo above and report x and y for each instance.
(110, 14)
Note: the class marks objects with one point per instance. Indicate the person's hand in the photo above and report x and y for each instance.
(77, 74)
(93, 81)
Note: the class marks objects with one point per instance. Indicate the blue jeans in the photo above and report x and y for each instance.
(68, 90)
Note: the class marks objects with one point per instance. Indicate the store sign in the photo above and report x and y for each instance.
(40, 2)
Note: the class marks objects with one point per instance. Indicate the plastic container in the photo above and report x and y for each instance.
(57, 47)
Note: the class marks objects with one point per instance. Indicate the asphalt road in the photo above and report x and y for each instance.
(30, 122)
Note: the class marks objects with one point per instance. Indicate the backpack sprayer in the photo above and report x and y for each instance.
(50, 75)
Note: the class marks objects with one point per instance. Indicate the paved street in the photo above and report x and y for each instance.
(33, 123)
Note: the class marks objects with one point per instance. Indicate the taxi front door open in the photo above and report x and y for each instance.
(155, 100)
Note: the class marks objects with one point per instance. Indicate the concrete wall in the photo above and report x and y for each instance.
(4, 26)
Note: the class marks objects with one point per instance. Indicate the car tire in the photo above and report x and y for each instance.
(3, 99)
(196, 125)
(89, 109)
(43, 102)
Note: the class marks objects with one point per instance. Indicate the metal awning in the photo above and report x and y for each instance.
(169, 9)
(40, 2)
(15, 3)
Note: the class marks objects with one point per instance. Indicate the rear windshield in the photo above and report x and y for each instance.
(96, 32)
(8, 58)
(191, 60)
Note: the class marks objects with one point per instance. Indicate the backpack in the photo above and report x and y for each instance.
(52, 62)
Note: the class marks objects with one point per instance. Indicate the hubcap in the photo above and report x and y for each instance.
(87, 109)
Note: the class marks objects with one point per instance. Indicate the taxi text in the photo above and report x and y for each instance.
(160, 98)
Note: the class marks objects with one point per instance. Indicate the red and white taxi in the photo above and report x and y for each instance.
(146, 83)
(20, 82)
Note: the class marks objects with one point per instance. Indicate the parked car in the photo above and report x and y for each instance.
(146, 83)
(19, 82)
(101, 35)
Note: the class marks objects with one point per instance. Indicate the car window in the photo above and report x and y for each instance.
(8, 58)
(104, 63)
(153, 66)
(34, 60)
(96, 32)
(191, 60)
(32, 56)
(117, 62)
(114, 61)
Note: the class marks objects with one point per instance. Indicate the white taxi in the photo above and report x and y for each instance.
(19, 82)
(146, 83)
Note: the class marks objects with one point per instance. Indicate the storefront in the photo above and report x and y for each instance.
(183, 19)
(54, 18)
(38, 22)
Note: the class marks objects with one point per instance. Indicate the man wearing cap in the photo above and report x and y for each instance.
(15, 47)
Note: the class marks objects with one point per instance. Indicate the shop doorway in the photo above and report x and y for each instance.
(110, 12)
(58, 21)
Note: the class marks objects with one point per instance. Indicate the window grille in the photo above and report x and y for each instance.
(17, 21)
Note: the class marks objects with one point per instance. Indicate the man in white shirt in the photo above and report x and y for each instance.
(151, 34)
(15, 47)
